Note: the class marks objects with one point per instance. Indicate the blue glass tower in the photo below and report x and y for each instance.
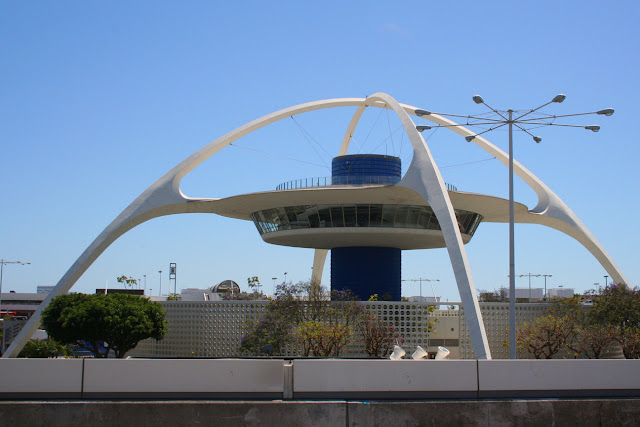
(367, 270)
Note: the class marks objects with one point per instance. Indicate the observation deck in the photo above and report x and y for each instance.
(349, 180)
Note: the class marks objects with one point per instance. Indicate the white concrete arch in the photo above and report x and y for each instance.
(550, 210)
(423, 177)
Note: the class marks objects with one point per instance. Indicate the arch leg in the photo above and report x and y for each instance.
(424, 178)
(319, 258)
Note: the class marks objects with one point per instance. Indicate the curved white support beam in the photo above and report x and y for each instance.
(344, 147)
(319, 258)
(424, 178)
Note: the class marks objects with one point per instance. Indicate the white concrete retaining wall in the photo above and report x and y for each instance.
(554, 378)
(322, 378)
(379, 378)
(187, 378)
(24, 378)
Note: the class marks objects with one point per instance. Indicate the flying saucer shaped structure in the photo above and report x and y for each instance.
(226, 287)
(355, 212)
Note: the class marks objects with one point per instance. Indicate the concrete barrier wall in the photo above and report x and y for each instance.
(553, 378)
(380, 378)
(231, 378)
(308, 379)
(24, 378)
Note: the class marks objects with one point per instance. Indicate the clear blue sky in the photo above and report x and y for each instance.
(100, 100)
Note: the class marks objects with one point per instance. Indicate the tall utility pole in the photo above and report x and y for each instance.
(160, 290)
(524, 121)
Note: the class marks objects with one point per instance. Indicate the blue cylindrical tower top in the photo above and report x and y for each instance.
(362, 168)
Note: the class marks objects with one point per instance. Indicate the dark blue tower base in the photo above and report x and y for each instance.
(366, 271)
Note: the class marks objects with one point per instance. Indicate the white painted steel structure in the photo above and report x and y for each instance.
(423, 178)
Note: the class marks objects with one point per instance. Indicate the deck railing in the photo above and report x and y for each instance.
(327, 181)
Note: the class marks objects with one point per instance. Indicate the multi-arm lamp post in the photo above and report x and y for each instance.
(524, 120)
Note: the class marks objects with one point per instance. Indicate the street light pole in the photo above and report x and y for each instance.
(605, 281)
(274, 284)
(160, 291)
(512, 253)
(526, 121)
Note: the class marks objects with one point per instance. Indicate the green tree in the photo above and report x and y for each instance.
(243, 296)
(618, 306)
(630, 343)
(174, 297)
(127, 281)
(592, 340)
(588, 338)
(119, 321)
(545, 336)
(302, 313)
(493, 296)
(378, 337)
(36, 349)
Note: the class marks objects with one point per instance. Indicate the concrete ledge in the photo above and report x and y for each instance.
(380, 378)
(235, 378)
(31, 378)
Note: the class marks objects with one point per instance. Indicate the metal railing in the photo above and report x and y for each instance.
(327, 181)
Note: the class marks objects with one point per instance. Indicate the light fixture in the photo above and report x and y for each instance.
(559, 98)
(398, 352)
(537, 139)
(607, 111)
(421, 128)
(470, 138)
(421, 113)
(478, 99)
(442, 353)
(420, 353)
(594, 128)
